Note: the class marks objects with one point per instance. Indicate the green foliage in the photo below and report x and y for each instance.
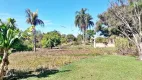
(32, 18)
(107, 24)
(27, 39)
(79, 39)
(51, 39)
(123, 19)
(122, 45)
(90, 33)
(63, 39)
(83, 21)
(39, 36)
(101, 40)
(20, 46)
(8, 34)
(71, 37)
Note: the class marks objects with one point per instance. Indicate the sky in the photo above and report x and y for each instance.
(57, 14)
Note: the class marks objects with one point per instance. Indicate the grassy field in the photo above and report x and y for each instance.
(74, 64)
(51, 59)
(98, 68)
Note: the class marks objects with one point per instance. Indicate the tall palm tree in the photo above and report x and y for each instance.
(32, 18)
(83, 21)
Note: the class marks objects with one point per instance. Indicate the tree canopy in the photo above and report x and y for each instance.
(51, 39)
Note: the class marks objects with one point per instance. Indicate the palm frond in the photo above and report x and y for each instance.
(11, 23)
(28, 13)
(38, 22)
(32, 18)
(83, 19)
(29, 21)
(35, 16)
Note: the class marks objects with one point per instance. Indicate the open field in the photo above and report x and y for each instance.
(46, 59)
(52, 58)
(74, 64)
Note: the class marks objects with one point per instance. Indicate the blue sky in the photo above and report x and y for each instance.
(54, 13)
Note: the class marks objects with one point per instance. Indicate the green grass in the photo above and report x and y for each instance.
(99, 68)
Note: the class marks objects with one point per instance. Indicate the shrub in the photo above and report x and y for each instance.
(123, 46)
(76, 43)
(63, 40)
(51, 39)
(71, 38)
(79, 38)
(20, 46)
(101, 40)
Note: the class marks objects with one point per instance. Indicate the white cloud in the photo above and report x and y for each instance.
(47, 22)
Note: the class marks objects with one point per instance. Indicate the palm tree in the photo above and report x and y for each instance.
(83, 21)
(32, 18)
(7, 37)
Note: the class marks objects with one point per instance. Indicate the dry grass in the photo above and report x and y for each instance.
(45, 61)
(51, 59)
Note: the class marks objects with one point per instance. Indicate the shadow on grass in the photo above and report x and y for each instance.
(39, 73)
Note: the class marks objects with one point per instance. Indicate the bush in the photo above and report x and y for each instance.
(71, 38)
(20, 46)
(79, 38)
(51, 39)
(123, 46)
(63, 40)
(101, 40)
(76, 43)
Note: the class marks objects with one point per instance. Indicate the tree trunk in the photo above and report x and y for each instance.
(4, 65)
(34, 43)
(34, 39)
(84, 37)
(140, 51)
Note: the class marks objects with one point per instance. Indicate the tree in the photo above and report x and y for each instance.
(63, 38)
(27, 38)
(90, 34)
(84, 21)
(23, 44)
(107, 24)
(32, 18)
(8, 34)
(71, 37)
(131, 24)
(39, 36)
(51, 39)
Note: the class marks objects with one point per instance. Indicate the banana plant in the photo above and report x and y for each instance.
(7, 37)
